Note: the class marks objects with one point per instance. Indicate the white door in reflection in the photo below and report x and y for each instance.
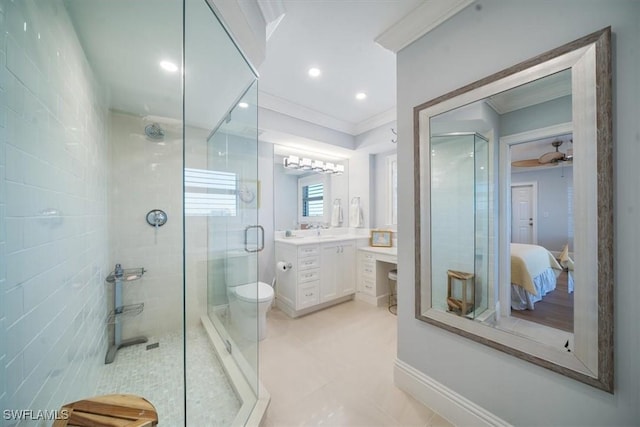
(523, 213)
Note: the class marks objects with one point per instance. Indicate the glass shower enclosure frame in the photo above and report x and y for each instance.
(460, 223)
(222, 197)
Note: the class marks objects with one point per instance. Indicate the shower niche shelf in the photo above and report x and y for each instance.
(118, 277)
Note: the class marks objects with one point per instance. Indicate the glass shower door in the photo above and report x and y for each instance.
(233, 234)
(221, 191)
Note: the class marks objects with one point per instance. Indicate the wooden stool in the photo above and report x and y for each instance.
(116, 410)
(464, 305)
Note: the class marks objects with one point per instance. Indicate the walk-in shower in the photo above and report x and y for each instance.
(117, 153)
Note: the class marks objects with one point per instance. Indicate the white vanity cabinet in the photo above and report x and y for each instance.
(338, 272)
(374, 265)
(321, 274)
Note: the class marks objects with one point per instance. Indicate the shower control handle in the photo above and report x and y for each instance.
(156, 218)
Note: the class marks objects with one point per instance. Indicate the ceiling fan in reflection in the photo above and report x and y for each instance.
(547, 159)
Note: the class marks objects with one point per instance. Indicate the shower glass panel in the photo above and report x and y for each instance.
(105, 108)
(459, 223)
(222, 195)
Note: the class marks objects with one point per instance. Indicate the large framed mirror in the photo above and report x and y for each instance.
(514, 211)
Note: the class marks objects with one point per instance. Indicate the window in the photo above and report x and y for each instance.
(312, 200)
(213, 193)
(314, 194)
(392, 189)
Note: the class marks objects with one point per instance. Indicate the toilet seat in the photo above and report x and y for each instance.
(248, 292)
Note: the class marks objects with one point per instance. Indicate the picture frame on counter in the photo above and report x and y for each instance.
(380, 238)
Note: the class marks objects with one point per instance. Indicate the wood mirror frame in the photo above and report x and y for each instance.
(591, 361)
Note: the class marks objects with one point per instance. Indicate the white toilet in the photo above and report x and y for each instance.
(245, 293)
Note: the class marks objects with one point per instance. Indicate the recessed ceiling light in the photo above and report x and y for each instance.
(169, 66)
(314, 72)
(361, 95)
(243, 105)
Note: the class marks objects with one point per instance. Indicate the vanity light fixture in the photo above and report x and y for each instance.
(305, 164)
(295, 162)
(291, 162)
(329, 167)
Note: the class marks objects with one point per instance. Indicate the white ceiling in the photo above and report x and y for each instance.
(338, 37)
(124, 41)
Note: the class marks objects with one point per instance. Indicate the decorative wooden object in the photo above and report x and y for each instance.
(117, 410)
(464, 305)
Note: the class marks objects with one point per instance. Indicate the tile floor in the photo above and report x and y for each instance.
(335, 368)
(157, 374)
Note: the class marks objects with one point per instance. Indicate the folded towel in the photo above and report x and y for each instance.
(356, 219)
(336, 215)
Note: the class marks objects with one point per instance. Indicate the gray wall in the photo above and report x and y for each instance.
(472, 45)
(381, 200)
(538, 116)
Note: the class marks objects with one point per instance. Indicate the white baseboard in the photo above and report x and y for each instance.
(446, 402)
(381, 301)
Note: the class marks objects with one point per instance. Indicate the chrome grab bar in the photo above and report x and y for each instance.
(260, 242)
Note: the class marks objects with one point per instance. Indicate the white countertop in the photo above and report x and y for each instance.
(385, 251)
(310, 240)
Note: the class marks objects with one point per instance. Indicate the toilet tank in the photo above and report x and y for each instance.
(241, 268)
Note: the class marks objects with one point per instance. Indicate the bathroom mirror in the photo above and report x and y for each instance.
(305, 196)
(464, 149)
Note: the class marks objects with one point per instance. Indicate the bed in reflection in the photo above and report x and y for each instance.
(534, 271)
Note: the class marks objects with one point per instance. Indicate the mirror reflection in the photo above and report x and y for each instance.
(540, 176)
(459, 225)
(311, 189)
(542, 215)
(513, 179)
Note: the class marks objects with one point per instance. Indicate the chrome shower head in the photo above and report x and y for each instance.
(154, 132)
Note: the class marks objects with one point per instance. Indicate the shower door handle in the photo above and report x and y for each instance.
(259, 243)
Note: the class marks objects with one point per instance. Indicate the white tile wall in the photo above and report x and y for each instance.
(53, 200)
(147, 175)
(452, 191)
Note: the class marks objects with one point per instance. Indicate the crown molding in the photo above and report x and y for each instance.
(506, 102)
(284, 106)
(246, 27)
(419, 22)
(376, 121)
(273, 11)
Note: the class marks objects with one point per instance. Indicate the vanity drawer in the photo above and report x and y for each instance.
(309, 262)
(368, 269)
(309, 275)
(308, 295)
(367, 257)
(305, 251)
(368, 286)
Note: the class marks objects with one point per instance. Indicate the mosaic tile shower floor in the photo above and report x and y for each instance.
(157, 375)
